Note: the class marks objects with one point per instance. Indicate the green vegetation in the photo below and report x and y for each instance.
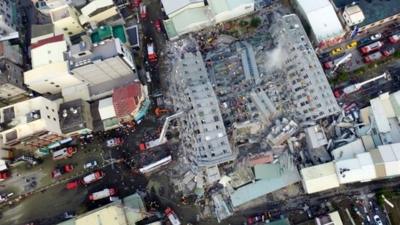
(255, 22)
(243, 23)
(396, 54)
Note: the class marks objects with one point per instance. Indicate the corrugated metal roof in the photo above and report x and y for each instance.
(126, 99)
(262, 187)
(267, 171)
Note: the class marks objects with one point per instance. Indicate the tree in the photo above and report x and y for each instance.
(243, 23)
(255, 22)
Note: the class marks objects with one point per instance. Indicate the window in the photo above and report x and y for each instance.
(65, 28)
(47, 107)
(48, 117)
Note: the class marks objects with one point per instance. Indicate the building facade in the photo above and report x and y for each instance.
(8, 20)
(66, 19)
(204, 138)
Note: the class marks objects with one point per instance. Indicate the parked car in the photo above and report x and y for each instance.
(72, 185)
(90, 165)
(4, 175)
(388, 51)
(376, 36)
(114, 142)
(255, 219)
(353, 44)
(60, 170)
(378, 220)
(336, 51)
(157, 25)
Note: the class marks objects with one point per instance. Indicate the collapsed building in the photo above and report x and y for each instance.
(203, 137)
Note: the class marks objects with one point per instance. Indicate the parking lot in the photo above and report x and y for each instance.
(357, 60)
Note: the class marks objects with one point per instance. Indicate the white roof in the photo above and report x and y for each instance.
(171, 6)
(106, 109)
(380, 116)
(94, 5)
(319, 178)
(48, 53)
(390, 155)
(322, 18)
(349, 150)
(360, 168)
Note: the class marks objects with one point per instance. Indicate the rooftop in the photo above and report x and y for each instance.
(108, 32)
(42, 29)
(322, 18)
(171, 6)
(127, 99)
(287, 174)
(48, 41)
(73, 116)
(60, 13)
(373, 10)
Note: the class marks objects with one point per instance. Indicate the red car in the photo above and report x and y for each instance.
(4, 175)
(142, 147)
(72, 185)
(255, 219)
(136, 3)
(58, 171)
(157, 25)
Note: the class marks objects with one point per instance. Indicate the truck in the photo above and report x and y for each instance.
(394, 38)
(371, 47)
(151, 54)
(337, 62)
(95, 176)
(107, 192)
(373, 57)
(172, 217)
(64, 153)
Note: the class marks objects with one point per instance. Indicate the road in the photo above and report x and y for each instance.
(357, 61)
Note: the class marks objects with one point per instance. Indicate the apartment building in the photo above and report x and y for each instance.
(8, 20)
(66, 19)
(103, 66)
(11, 80)
(88, 70)
(32, 122)
(99, 11)
(311, 95)
(49, 73)
(204, 136)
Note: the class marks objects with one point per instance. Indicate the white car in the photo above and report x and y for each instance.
(378, 220)
(376, 36)
(90, 165)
